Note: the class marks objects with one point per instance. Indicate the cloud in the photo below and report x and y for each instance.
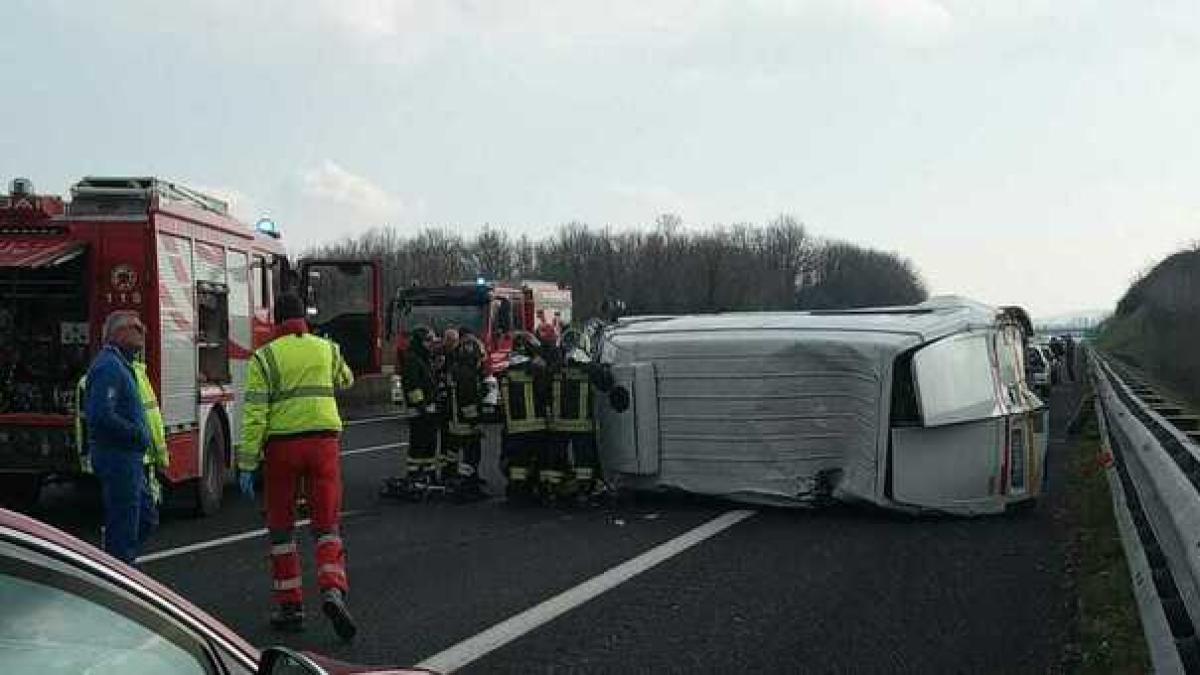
(412, 26)
(331, 183)
(327, 201)
(640, 204)
(242, 206)
(914, 23)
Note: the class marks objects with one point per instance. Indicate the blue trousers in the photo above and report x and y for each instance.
(130, 515)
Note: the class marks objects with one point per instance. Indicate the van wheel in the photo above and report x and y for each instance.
(19, 491)
(211, 485)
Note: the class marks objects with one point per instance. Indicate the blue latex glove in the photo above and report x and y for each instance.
(246, 484)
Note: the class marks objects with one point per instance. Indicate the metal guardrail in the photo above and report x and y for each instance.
(1157, 467)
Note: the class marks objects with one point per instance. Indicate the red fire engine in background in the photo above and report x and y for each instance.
(203, 283)
(492, 311)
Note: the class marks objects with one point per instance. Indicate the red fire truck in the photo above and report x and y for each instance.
(493, 311)
(204, 285)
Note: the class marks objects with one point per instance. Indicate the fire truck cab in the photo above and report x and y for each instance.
(493, 312)
(203, 283)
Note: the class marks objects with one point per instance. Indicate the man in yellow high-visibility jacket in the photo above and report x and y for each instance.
(291, 417)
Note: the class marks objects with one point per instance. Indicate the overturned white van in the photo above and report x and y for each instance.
(914, 408)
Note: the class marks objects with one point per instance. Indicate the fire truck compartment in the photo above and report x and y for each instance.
(44, 331)
(44, 337)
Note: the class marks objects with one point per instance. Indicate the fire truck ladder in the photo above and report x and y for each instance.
(145, 188)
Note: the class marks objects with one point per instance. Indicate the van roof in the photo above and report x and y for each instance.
(930, 320)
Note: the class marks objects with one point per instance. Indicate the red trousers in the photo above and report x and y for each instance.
(315, 460)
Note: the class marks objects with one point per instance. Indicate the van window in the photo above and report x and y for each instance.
(1008, 349)
(954, 380)
(905, 409)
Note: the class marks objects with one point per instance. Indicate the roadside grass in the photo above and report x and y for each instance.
(1110, 630)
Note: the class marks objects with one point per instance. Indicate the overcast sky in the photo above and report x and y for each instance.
(1037, 152)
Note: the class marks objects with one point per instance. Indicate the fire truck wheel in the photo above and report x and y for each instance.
(19, 491)
(211, 485)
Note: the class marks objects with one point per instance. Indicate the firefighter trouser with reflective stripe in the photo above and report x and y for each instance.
(519, 455)
(423, 431)
(553, 467)
(585, 457)
(462, 453)
(315, 460)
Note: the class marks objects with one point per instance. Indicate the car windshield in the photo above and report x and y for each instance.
(441, 317)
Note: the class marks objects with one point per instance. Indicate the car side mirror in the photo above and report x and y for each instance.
(284, 661)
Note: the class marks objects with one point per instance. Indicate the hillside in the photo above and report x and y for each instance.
(1157, 323)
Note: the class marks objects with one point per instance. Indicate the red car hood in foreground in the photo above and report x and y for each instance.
(39, 530)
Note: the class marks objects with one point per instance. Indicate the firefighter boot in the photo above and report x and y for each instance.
(395, 487)
(288, 617)
(333, 604)
(519, 489)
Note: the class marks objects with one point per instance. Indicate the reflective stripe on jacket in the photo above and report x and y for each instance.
(157, 453)
(522, 414)
(571, 410)
(290, 390)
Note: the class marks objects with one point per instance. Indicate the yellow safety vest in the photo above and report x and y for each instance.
(290, 390)
(521, 414)
(571, 410)
(155, 454)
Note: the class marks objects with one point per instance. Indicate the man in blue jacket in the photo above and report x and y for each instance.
(118, 436)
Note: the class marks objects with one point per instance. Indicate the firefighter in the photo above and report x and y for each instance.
(523, 398)
(464, 377)
(420, 392)
(118, 437)
(571, 417)
(446, 458)
(291, 417)
(553, 466)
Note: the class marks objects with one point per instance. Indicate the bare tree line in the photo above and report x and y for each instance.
(663, 269)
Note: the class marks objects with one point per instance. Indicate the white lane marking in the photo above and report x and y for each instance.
(242, 536)
(372, 420)
(220, 541)
(211, 543)
(514, 627)
(373, 448)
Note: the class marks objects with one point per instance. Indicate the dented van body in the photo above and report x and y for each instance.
(914, 408)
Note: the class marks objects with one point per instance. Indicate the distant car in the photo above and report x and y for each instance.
(66, 607)
(1040, 367)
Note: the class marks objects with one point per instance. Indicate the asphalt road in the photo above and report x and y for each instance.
(837, 590)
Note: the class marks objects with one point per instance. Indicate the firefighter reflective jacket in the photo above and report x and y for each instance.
(290, 390)
(524, 401)
(465, 380)
(420, 389)
(157, 453)
(571, 408)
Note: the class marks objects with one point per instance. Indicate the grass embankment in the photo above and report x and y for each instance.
(1110, 630)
